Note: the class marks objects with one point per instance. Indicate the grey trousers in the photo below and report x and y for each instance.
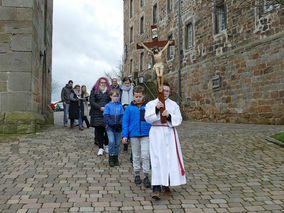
(141, 149)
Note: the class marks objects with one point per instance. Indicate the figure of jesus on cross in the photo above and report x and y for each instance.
(158, 61)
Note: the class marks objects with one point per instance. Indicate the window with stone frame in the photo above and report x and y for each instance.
(189, 35)
(170, 50)
(220, 17)
(141, 61)
(170, 5)
(131, 34)
(141, 3)
(155, 14)
(142, 25)
(131, 9)
(131, 66)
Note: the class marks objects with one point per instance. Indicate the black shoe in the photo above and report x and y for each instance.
(146, 182)
(137, 180)
(116, 162)
(111, 161)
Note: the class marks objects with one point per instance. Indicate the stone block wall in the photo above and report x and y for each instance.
(245, 59)
(25, 31)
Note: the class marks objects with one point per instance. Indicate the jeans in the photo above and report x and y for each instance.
(140, 149)
(66, 111)
(156, 188)
(80, 118)
(113, 142)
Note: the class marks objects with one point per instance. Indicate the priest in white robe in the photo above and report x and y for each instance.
(165, 151)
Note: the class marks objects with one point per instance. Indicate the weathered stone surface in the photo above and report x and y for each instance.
(7, 13)
(18, 101)
(21, 42)
(2, 116)
(24, 14)
(18, 27)
(20, 122)
(246, 56)
(4, 43)
(19, 81)
(16, 61)
(17, 3)
(3, 86)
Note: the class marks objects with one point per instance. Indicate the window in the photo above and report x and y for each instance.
(170, 50)
(131, 66)
(268, 6)
(141, 3)
(220, 17)
(142, 25)
(189, 36)
(155, 14)
(141, 61)
(170, 5)
(131, 9)
(131, 34)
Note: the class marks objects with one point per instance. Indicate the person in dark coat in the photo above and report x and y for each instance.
(114, 84)
(65, 98)
(76, 107)
(99, 98)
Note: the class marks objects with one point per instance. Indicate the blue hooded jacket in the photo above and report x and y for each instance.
(113, 114)
(133, 122)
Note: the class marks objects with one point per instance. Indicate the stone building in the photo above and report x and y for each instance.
(232, 67)
(25, 65)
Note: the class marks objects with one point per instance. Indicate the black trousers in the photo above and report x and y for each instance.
(101, 136)
(86, 121)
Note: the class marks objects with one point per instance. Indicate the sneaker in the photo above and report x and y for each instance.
(100, 152)
(146, 182)
(81, 128)
(137, 180)
(156, 195)
(106, 149)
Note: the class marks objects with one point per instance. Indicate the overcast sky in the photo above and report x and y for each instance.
(87, 40)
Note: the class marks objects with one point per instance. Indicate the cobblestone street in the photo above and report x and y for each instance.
(229, 168)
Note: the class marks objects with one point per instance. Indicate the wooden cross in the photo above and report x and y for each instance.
(156, 44)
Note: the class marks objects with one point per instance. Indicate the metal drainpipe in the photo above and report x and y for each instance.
(179, 56)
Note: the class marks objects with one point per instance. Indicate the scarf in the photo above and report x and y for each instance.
(103, 90)
(125, 96)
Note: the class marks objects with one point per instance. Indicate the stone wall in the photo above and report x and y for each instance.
(25, 74)
(245, 60)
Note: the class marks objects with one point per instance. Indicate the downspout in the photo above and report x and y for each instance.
(179, 55)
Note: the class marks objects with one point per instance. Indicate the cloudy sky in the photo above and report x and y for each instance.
(87, 40)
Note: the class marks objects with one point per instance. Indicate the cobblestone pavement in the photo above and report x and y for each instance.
(230, 168)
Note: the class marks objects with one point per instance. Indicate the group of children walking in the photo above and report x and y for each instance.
(129, 124)
(150, 139)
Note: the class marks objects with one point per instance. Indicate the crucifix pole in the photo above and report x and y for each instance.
(158, 66)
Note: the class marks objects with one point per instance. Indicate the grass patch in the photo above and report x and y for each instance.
(279, 136)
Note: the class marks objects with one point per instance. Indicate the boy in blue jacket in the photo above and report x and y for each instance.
(137, 129)
(113, 113)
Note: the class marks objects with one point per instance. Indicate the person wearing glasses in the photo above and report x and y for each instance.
(99, 98)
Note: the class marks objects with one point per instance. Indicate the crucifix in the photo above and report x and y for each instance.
(158, 62)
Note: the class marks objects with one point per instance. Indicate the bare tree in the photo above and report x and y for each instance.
(116, 72)
(55, 86)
